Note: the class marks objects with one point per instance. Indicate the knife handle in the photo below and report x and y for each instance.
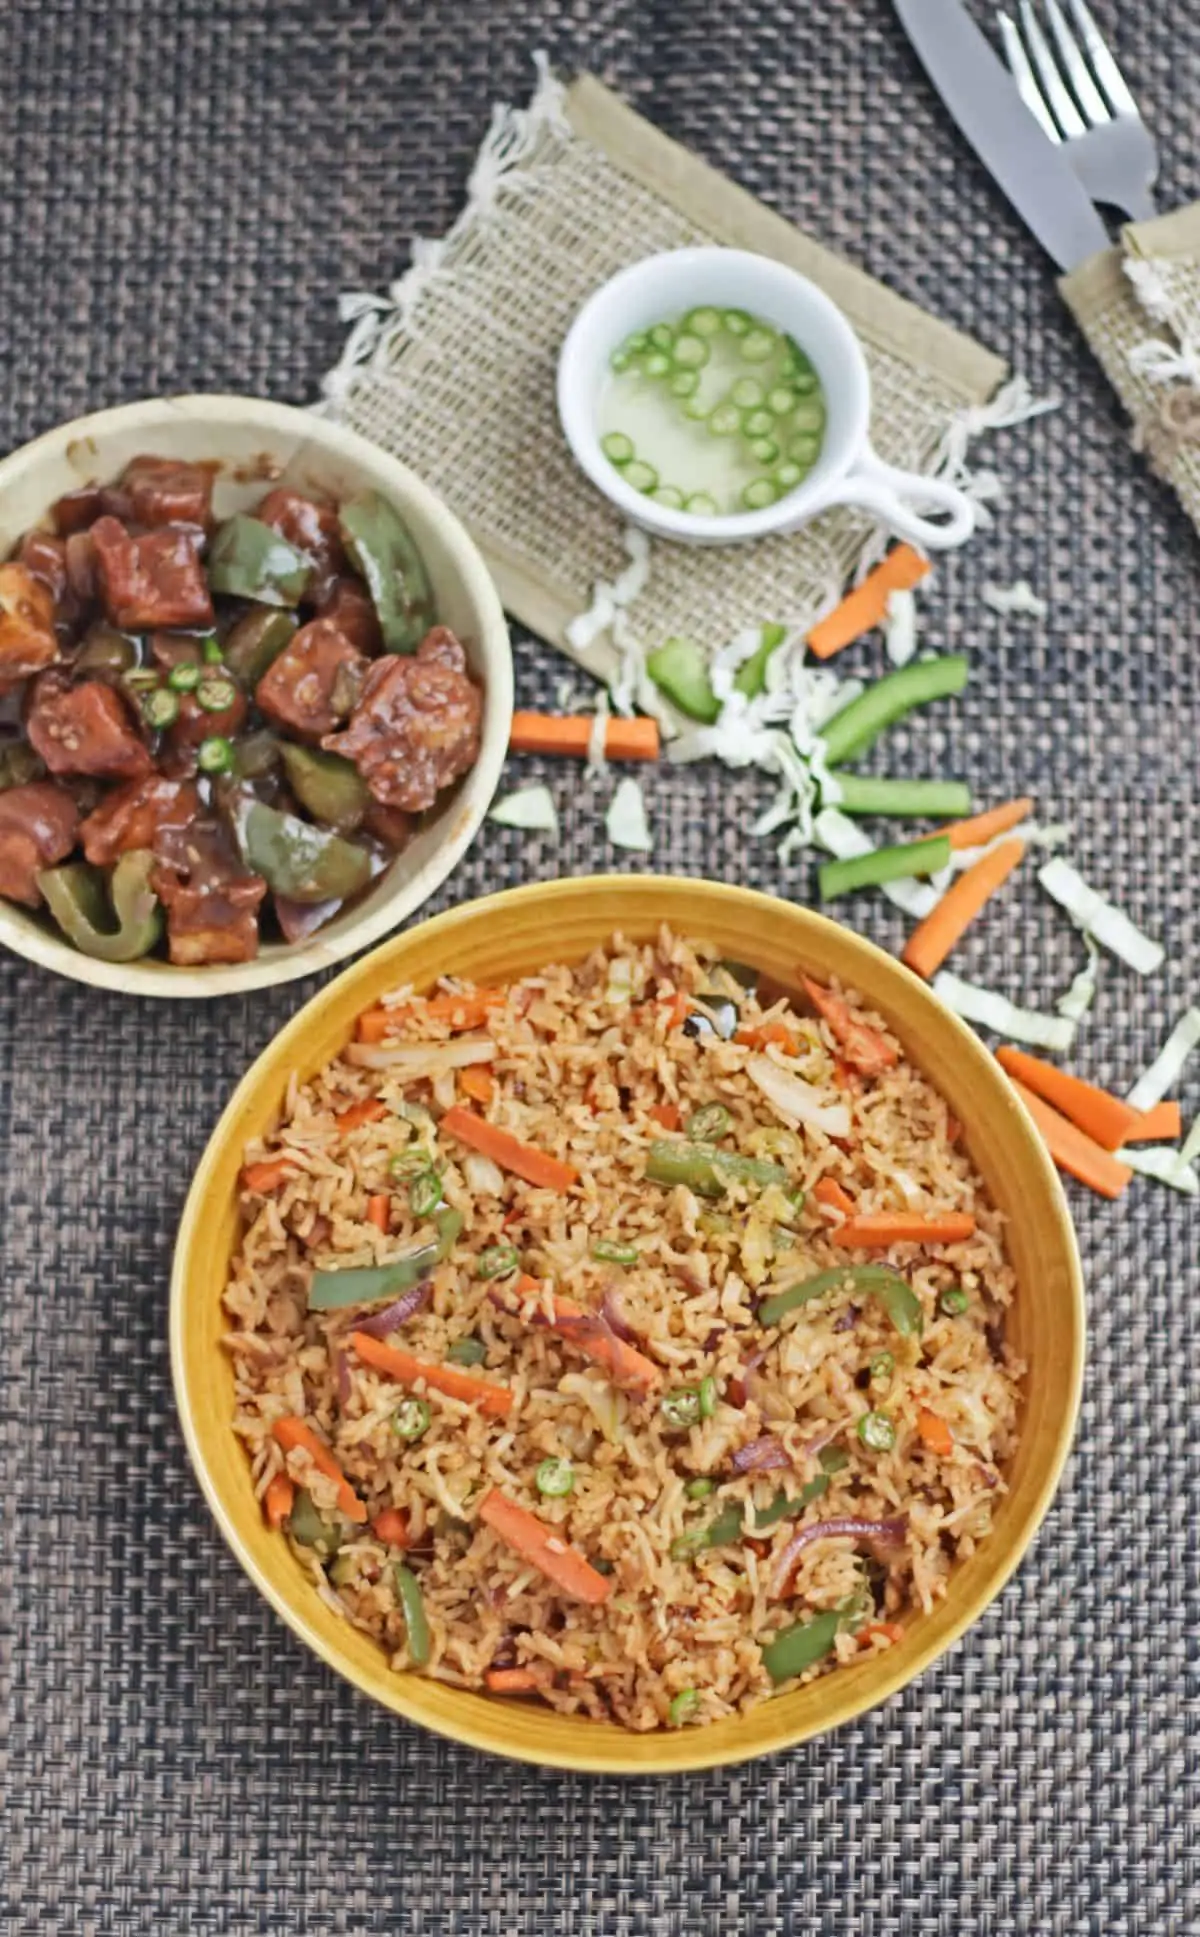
(898, 499)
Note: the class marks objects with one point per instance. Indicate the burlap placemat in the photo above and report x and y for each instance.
(1139, 307)
(453, 370)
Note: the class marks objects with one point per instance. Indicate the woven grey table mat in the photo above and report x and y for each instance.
(185, 189)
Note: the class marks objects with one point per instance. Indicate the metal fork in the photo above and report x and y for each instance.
(1080, 98)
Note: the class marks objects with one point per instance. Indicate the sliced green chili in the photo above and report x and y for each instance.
(702, 504)
(704, 321)
(706, 1393)
(883, 864)
(684, 1707)
(211, 652)
(954, 1301)
(617, 448)
(724, 420)
(758, 344)
(216, 754)
(783, 1508)
(877, 1431)
(690, 352)
(866, 793)
(308, 1526)
(881, 1368)
(609, 1253)
(425, 1193)
(759, 493)
(640, 476)
(411, 1419)
(899, 1300)
(184, 677)
(681, 1408)
(498, 1261)
(160, 707)
(412, 1607)
(887, 700)
(708, 1123)
(216, 694)
(554, 1478)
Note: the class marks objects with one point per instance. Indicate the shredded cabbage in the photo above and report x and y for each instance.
(584, 630)
(1079, 997)
(625, 822)
(631, 583)
(531, 809)
(1191, 1144)
(1100, 919)
(796, 1100)
(1167, 1067)
(1017, 601)
(900, 626)
(994, 1011)
(844, 838)
(1165, 1165)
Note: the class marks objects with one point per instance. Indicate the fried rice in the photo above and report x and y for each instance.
(636, 1500)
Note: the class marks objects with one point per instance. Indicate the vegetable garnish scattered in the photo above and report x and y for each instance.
(1161, 1123)
(866, 1048)
(795, 1100)
(590, 1333)
(900, 626)
(268, 1174)
(941, 931)
(994, 1011)
(1104, 922)
(547, 1173)
(1168, 1066)
(1103, 1117)
(866, 606)
(889, 699)
(834, 830)
(876, 1230)
(887, 1533)
(1166, 1167)
(1072, 1150)
(632, 739)
(408, 1593)
(295, 1435)
(1016, 601)
(531, 809)
(625, 822)
(450, 1379)
(884, 864)
(985, 827)
(864, 793)
(542, 1548)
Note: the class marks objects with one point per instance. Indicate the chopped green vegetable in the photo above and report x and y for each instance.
(370, 1284)
(738, 322)
(78, 897)
(863, 793)
(758, 494)
(411, 1419)
(725, 420)
(498, 1261)
(385, 552)
(160, 708)
(751, 679)
(804, 450)
(789, 474)
(718, 1533)
(764, 450)
(953, 1301)
(425, 1193)
(887, 700)
(758, 344)
(19, 764)
(758, 423)
(668, 495)
(898, 1299)
(640, 476)
(707, 1123)
(302, 862)
(679, 668)
(748, 393)
(554, 1478)
(617, 448)
(249, 560)
(881, 1368)
(184, 677)
(105, 650)
(309, 1528)
(705, 1169)
(216, 694)
(690, 352)
(609, 1253)
(781, 400)
(706, 1393)
(833, 1459)
(783, 1508)
(703, 321)
(330, 788)
(256, 641)
(211, 652)
(684, 1707)
(531, 809)
(685, 383)
(702, 504)
(797, 1648)
(467, 1351)
(809, 415)
(699, 1489)
(661, 336)
(882, 864)
(420, 1645)
(876, 1430)
(680, 1408)
(216, 754)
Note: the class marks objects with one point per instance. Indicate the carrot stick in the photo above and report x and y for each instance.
(477, 1082)
(935, 1432)
(933, 939)
(829, 1191)
(861, 1045)
(572, 733)
(373, 1024)
(866, 605)
(667, 1114)
(292, 1433)
(543, 1548)
(511, 1681)
(1071, 1150)
(391, 1526)
(626, 1366)
(1101, 1116)
(370, 1110)
(268, 1175)
(278, 1500)
(449, 1379)
(508, 1151)
(379, 1211)
(467, 1011)
(982, 828)
(1162, 1124)
(875, 1230)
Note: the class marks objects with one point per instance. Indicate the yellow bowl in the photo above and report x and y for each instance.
(509, 935)
(255, 443)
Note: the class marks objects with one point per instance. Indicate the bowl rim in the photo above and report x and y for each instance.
(687, 1752)
(467, 807)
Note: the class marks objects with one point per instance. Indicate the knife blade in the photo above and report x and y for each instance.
(981, 97)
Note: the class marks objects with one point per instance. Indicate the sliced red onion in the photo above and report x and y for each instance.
(890, 1533)
(341, 1370)
(765, 1455)
(714, 1338)
(848, 1319)
(614, 1317)
(404, 1308)
(739, 1386)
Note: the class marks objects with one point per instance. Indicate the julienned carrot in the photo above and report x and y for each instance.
(875, 1230)
(935, 1432)
(933, 939)
(862, 1046)
(477, 1082)
(543, 1548)
(890, 1630)
(373, 1024)
(268, 1174)
(572, 733)
(523, 1159)
(278, 1500)
(450, 1379)
(985, 827)
(370, 1110)
(391, 1526)
(766, 1033)
(379, 1210)
(626, 1366)
(1162, 1124)
(867, 604)
(1107, 1119)
(511, 1681)
(292, 1433)
(829, 1191)
(1072, 1150)
(667, 1114)
(467, 1011)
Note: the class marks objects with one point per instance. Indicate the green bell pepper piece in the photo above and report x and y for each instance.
(370, 1284)
(782, 1508)
(250, 561)
(297, 860)
(718, 1533)
(705, 1169)
(899, 1300)
(256, 641)
(798, 1648)
(76, 897)
(19, 764)
(384, 551)
(311, 1529)
(413, 1608)
(332, 789)
(105, 650)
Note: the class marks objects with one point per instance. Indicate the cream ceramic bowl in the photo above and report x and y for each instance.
(513, 934)
(259, 443)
